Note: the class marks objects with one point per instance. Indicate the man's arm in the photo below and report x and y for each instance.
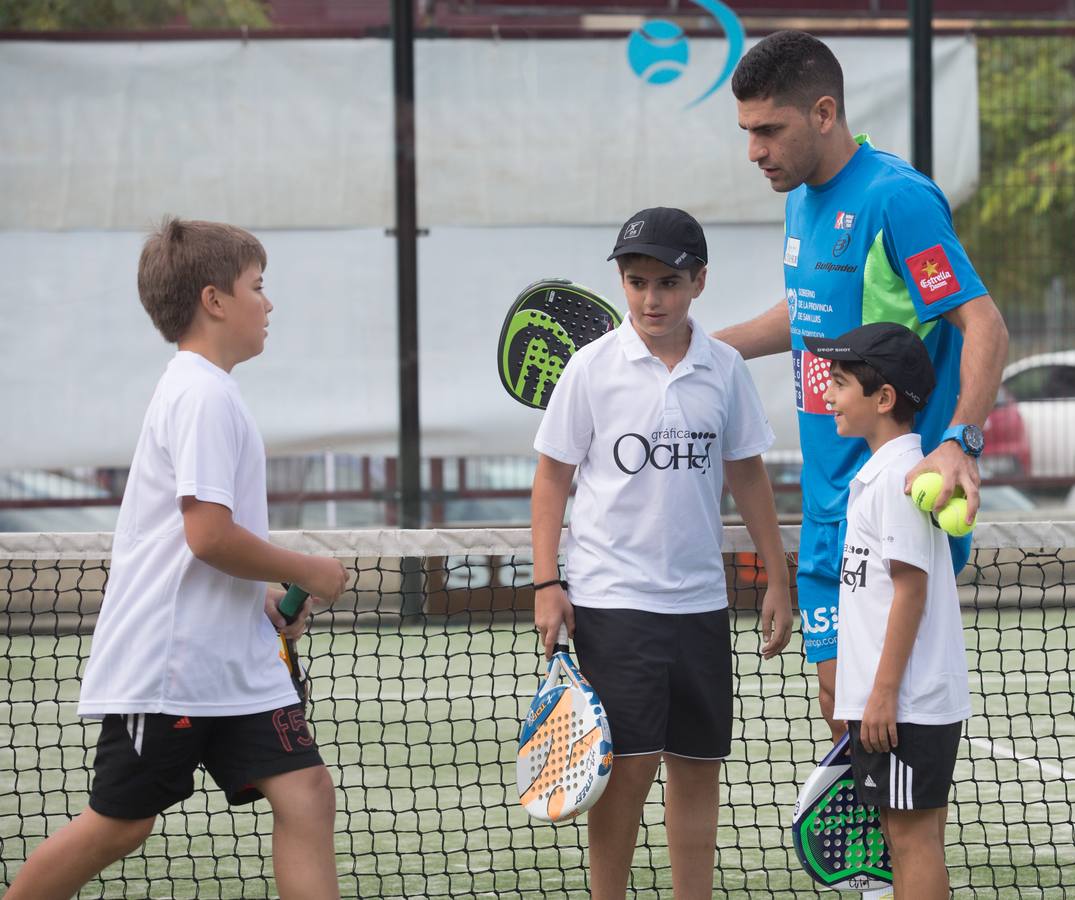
(749, 484)
(215, 539)
(908, 603)
(985, 351)
(763, 335)
(548, 501)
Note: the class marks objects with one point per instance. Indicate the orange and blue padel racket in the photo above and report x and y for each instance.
(565, 748)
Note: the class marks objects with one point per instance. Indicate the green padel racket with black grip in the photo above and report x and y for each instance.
(837, 839)
(290, 605)
(549, 321)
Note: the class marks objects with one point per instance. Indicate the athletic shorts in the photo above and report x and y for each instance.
(818, 581)
(665, 680)
(145, 761)
(917, 774)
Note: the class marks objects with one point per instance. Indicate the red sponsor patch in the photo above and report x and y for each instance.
(933, 274)
(812, 376)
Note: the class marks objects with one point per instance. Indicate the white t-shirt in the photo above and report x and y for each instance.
(645, 528)
(176, 635)
(883, 525)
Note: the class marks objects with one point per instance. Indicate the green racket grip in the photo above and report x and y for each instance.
(291, 603)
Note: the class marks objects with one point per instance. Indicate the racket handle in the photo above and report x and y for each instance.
(561, 645)
(291, 603)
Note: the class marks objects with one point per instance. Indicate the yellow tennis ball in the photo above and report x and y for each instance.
(953, 518)
(924, 490)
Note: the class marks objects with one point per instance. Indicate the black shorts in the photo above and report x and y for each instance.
(146, 761)
(665, 680)
(917, 774)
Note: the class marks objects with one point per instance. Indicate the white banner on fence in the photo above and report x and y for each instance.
(298, 134)
(293, 139)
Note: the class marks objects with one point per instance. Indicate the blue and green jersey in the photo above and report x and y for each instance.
(874, 244)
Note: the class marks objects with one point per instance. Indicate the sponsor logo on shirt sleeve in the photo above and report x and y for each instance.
(933, 274)
(791, 252)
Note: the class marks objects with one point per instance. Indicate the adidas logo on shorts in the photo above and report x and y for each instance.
(869, 782)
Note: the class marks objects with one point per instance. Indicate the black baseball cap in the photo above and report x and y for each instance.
(670, 235)
(894, 351)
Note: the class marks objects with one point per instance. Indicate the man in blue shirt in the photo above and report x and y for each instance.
(867, 238)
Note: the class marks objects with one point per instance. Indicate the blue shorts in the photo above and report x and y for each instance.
(818, 583)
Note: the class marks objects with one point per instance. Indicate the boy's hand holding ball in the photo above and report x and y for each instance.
(952, 517)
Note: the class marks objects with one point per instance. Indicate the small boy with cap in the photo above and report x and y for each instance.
(901, 672)
(656, 415)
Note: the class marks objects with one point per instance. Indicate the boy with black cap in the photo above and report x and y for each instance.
(655, 415)
(901, 673)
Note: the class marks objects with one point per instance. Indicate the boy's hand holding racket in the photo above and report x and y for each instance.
(551, 610)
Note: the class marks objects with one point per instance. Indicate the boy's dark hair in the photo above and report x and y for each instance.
(793, 68)
(181, 258)
(872, 381)
(631, 258)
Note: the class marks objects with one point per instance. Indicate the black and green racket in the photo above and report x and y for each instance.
(838, 840)
(549, 321)
(290, 605)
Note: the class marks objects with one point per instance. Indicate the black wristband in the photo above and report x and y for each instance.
(545, 584)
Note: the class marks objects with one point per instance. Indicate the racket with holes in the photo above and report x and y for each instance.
(837, 839)
(549, 321)
(565, 748)
(290, 605)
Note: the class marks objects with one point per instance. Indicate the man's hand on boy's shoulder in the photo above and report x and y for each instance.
(775, 620)
(878, 730)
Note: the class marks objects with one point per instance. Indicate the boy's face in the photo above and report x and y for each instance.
(249, 310)
(856, 414)
(659, 298)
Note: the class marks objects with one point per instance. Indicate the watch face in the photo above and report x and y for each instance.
(974, 439)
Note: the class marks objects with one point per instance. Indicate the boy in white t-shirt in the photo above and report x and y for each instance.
(185, 667)
(654, 415)
(901, 671)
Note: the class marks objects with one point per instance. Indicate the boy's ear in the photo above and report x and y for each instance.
(699, 282)
(211, 302)
(886, 399)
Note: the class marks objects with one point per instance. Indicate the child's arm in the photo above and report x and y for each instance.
(908, 602)
(749, 484)
(548, 501)
(215, 539)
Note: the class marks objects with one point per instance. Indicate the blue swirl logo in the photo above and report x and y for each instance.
(659, 51)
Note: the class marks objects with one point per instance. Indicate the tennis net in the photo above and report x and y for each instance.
(420, 674)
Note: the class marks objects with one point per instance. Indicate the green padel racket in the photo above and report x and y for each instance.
(290, 605)
(549, 321)
(837, 839)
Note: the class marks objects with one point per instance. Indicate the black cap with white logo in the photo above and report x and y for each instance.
(894, 351)
(670, 235)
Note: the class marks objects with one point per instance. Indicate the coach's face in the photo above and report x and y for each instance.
(784, 141)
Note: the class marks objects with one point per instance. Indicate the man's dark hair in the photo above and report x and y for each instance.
(793, 68)
(872, 381)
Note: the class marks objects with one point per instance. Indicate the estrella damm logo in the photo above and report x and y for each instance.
(669, 448)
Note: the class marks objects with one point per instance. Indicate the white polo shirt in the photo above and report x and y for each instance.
(645, 529)
(176, 635)
(883, 525)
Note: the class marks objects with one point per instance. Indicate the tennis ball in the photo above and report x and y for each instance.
(924, 490)
(953, 518)
(658, 51)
